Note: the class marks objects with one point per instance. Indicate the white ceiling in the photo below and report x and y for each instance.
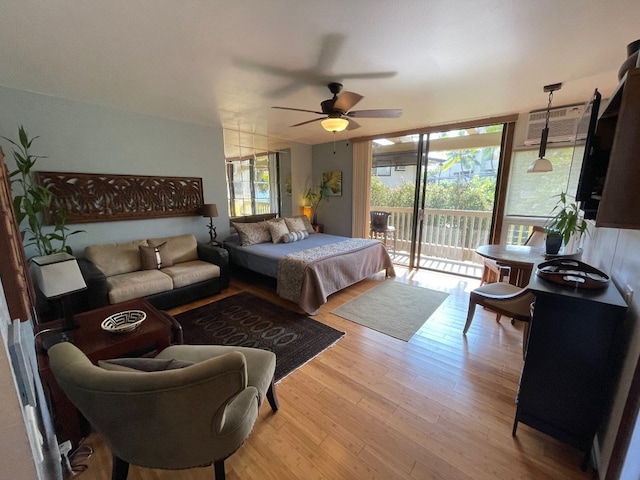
(226, 63)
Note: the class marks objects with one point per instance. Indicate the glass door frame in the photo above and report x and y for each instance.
(502, 174)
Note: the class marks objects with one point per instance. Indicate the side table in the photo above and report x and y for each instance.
(158, 331)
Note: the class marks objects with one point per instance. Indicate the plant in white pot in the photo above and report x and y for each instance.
(565, 221)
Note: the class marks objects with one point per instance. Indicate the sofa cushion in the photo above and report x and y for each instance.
(155, 258)
(180, 248)
(188, 273)
(116, 258)
(137, 284)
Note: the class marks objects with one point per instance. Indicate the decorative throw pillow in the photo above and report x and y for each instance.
(295, 224)
(155, 258)
(295, 236)
(142, 364)
(252, 233)
(278, 229)
(307, 224)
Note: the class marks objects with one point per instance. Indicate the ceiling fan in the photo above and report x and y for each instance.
(337, 111)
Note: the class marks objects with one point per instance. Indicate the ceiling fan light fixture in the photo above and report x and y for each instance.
(333, 124)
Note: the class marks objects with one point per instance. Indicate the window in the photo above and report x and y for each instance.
(532, 196)
(253, 185)
(535, 194)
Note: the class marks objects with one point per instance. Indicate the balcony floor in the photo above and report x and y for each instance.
(445, 265)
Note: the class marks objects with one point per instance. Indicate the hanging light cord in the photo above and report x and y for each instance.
(545, 132)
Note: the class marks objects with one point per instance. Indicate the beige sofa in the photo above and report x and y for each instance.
(167, 271)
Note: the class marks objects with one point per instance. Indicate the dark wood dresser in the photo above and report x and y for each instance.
(572, 361)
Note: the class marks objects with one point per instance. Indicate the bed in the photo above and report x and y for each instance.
(310, 270)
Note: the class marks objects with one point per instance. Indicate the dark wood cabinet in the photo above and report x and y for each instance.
(616, 159)
(571, 362)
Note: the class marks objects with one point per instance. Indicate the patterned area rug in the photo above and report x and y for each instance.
(393, 308)
(249, 321)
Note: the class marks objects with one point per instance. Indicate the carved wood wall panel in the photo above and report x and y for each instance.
(105, 198)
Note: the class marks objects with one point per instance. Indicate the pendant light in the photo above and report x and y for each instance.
(542, 164)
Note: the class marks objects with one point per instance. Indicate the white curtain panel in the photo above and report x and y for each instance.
(362, 163)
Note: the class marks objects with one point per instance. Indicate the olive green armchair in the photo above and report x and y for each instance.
(195, 413)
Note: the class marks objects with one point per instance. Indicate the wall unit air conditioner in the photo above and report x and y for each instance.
(566, 124)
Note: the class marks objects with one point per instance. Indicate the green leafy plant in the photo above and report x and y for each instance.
(31, 200)
(313, 197)
(565, 220)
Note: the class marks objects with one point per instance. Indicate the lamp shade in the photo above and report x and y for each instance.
(58, 275)
(210, 210)
(540, 165)
(306, 210)
(332, 124)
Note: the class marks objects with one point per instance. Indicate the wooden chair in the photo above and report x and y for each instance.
(379, 227)
(503, 299)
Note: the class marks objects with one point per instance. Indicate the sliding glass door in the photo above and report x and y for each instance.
(440, 188)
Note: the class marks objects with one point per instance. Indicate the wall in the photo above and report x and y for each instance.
(78, 137)
(335, 212)
(615, 251)
(301, 172)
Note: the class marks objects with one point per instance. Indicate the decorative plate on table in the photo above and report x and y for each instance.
(126, 321)
(573, 273)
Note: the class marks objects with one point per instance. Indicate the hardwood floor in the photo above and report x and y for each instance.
(440, 406)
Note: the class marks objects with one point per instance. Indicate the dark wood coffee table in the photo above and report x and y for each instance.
(156, 332)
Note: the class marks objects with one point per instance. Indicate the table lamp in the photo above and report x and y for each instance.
(307, 212)
(58, 276)
(210, 210)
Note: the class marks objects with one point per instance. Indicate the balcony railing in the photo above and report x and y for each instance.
(449, 234)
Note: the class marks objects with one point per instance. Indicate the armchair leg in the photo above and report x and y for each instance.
(470, 313)
(218, 468)
(272, 398)
(120, 469)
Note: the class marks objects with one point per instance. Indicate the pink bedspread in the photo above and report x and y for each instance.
(310, 276)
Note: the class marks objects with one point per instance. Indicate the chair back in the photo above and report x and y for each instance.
(536, 238)
(379, 220)
(169, 419)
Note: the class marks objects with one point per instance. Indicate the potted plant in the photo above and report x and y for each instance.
(31, 200)
(313, 197)
(565, 221)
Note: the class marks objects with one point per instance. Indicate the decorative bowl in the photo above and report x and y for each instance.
(126, 321)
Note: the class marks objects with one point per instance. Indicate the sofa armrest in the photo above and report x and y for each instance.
(218, 256)
(97, 293)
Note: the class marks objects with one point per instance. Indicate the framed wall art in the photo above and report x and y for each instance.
(332, 183)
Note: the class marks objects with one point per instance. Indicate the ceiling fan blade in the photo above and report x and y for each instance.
(300, 110)
(346, 101)
(329, 51)
(308, 121)
(353, 125)
(383, 113)
(365, 76)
